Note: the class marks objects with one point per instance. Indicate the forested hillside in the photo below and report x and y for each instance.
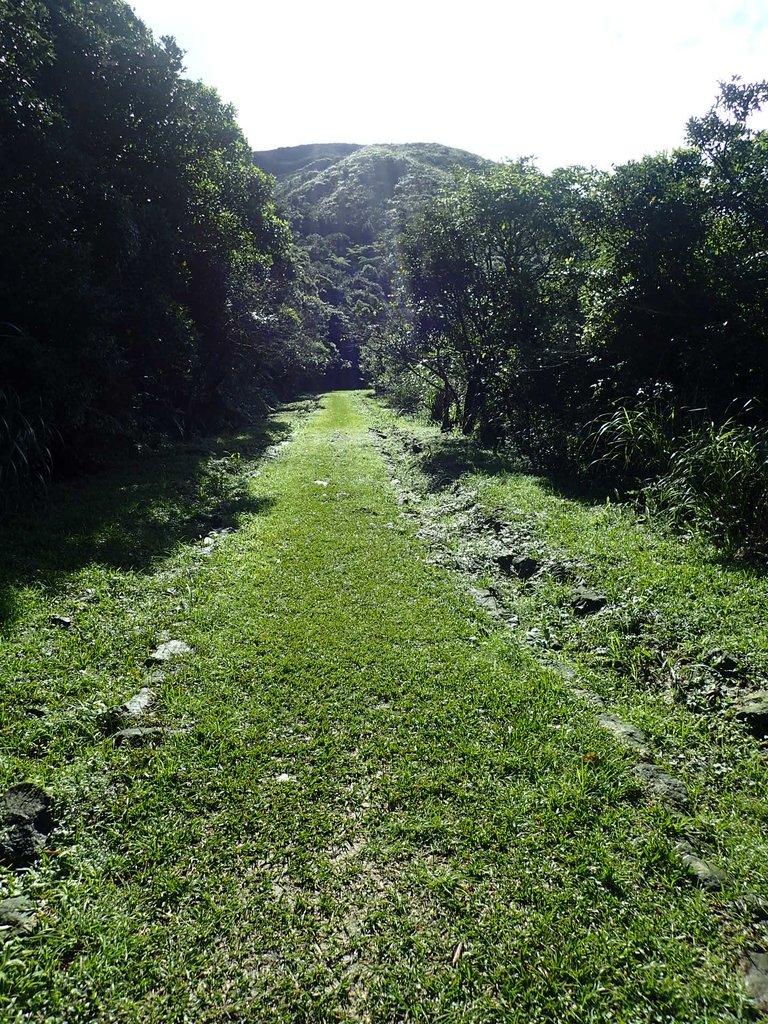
(347, 205)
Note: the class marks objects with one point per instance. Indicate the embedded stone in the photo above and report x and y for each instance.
(140, 736)
(622, 730)
(566, 672)
(25, 823)
(756, 979)
(134, 708)
(707, 875)
(168, 651)
(753, 713)
(17, 916)
(587, 602)
(485, 599)
(662, 785)
(520, 566)
(28, 804)
(20, 844)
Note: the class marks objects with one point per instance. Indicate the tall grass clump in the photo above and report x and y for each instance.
(695, 471)
(25, 452)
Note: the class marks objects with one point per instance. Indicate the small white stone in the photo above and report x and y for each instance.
(169, 650)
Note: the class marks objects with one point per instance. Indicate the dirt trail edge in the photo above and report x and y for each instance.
(356, 797)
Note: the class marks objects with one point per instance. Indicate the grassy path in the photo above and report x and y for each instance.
(381, 808)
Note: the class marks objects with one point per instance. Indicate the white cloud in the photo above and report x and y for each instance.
(594, 82)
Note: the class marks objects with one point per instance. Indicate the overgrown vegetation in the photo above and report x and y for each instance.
(531, 305)
(692, 469)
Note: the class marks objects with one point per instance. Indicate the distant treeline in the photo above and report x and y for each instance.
(617, 321)
(144, 271)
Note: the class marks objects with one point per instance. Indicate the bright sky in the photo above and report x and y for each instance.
(581, 82)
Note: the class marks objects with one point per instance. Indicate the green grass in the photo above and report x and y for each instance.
(374, 771)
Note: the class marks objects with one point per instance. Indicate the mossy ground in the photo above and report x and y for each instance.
(384, 808)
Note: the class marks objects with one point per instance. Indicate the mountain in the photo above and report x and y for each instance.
(346, 204)
(359, 191)
(288, 159)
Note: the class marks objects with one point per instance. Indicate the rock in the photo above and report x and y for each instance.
(587, 602)
(26, 822)
(168, 651)
(407, 498)
(707, 875)
(666, 787)
(322, 483)
(20, 845)
(17, 915)
(756, 979)
(484, 599)
(28, 804)
(495, 523)
(140, 702)
(623, 731)
(754, 905)
(62, 621)
(138, 736)
(723, 662)
(559, 571)
(753, 713)
(565, 672)
(589, 697)
(520, 566)
(525, 567)
(134, 708)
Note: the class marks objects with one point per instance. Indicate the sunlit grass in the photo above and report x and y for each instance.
(385, 809)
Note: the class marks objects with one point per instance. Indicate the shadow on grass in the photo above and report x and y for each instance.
(133, 514)
(454, 455)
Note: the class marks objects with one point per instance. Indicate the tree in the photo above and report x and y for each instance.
(491, 269)
(142, 260)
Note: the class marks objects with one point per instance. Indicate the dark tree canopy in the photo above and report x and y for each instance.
(143, 267)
